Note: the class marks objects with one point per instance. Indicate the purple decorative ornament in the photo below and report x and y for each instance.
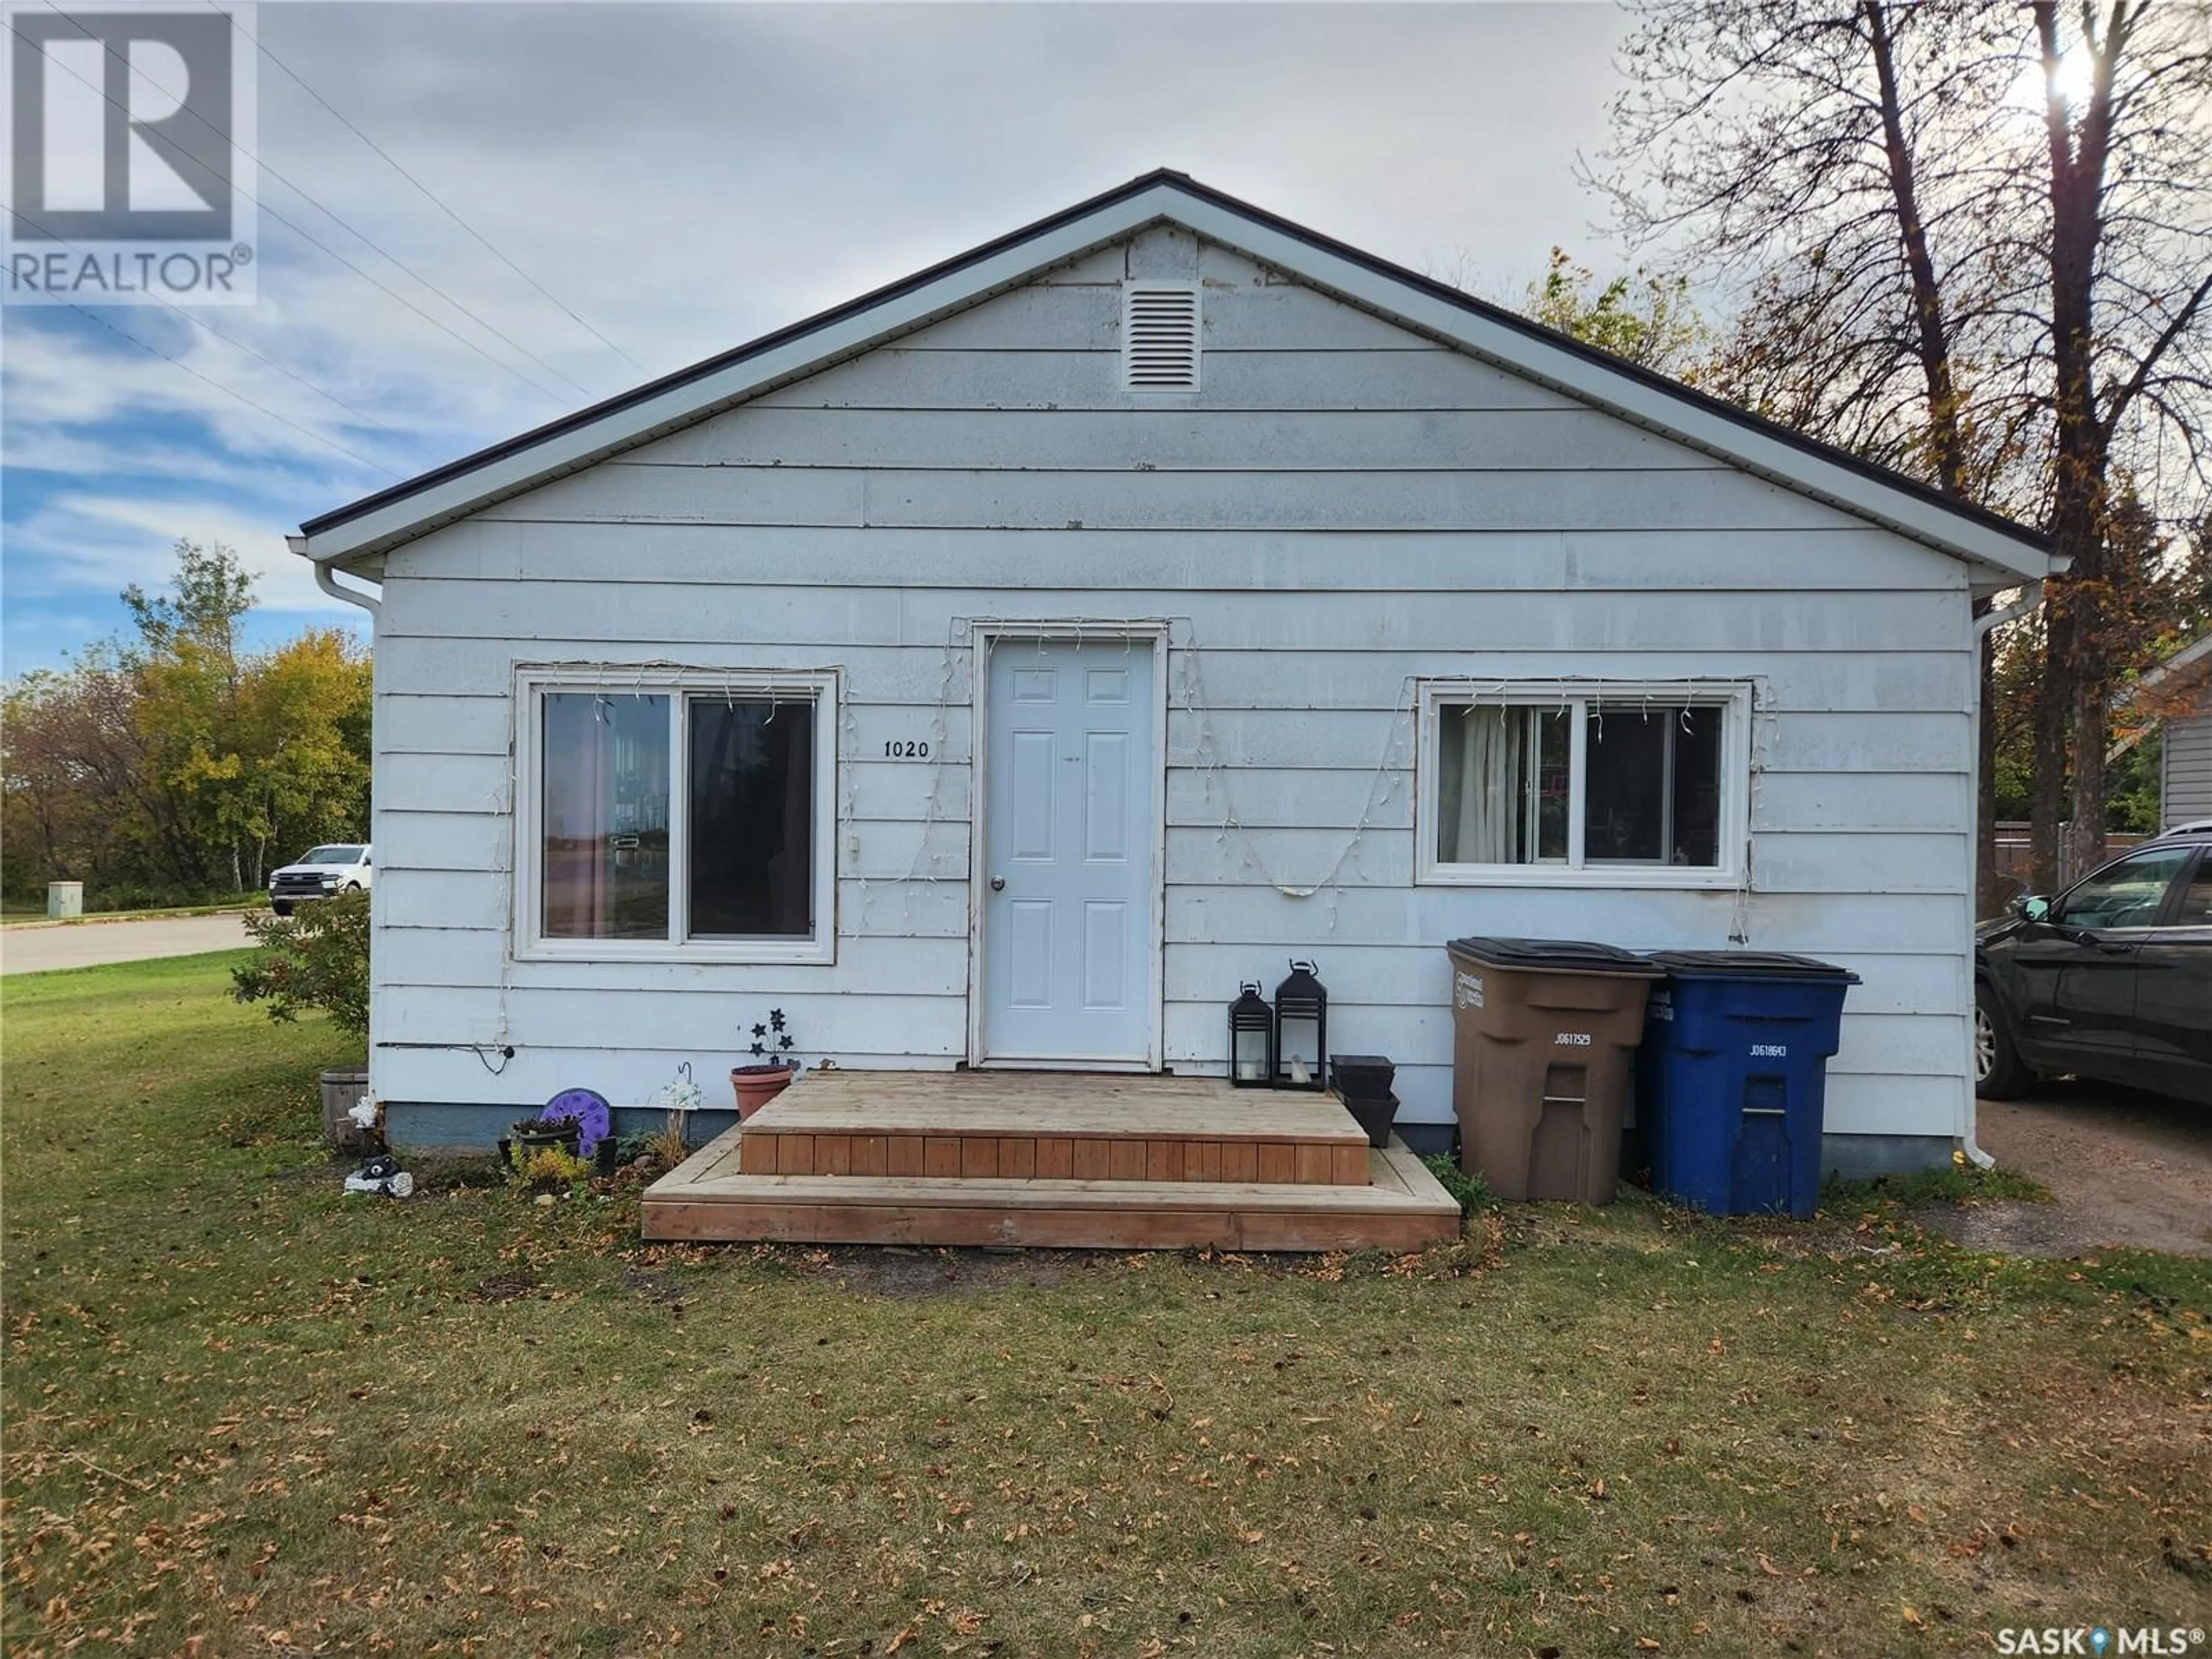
(587, 1109)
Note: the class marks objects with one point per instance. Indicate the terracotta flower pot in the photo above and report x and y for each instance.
(756, 1085)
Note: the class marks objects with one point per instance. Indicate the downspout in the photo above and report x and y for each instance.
(2030, 596)
(329, 582)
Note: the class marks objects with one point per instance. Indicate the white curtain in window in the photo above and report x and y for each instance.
(1478, 784)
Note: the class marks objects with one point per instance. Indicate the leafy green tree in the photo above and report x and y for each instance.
(211, 594)
(317, 957)
(1646, 319)
(303, 732)
(187, 660)
(173, 763)
(1971, 241)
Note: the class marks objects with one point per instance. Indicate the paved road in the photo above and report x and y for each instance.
(2122, 1168)
(31, 949)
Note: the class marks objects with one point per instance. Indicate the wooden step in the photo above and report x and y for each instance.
(1023, 1126)
(1399, 1207)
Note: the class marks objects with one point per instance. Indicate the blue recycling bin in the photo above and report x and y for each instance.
(1732, 1078)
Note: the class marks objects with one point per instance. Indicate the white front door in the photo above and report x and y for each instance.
(1070, 842)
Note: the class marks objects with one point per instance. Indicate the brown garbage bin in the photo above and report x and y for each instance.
(1544, 1036)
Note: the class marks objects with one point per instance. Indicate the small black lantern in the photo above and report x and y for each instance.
(1301, 1030)
(1251, 1039)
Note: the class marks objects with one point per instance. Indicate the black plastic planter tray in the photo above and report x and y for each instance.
(1362, 1077)
(1377, 1117)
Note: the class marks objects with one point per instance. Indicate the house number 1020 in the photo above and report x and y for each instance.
(910, 749)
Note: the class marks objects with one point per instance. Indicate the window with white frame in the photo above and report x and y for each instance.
(690, 812)
(1590, 782)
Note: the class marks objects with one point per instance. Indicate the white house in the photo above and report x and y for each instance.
(2179, 693)
(998, 668)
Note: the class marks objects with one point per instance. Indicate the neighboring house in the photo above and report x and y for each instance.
(2177, 696)
(999, 668)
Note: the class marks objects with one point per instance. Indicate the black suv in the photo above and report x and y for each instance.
(2111, 979)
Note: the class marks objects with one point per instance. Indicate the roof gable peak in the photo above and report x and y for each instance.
(1487, 331)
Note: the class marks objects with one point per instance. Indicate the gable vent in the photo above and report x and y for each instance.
(1159, 338)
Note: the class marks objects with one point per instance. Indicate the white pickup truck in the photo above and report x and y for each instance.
(338, 868)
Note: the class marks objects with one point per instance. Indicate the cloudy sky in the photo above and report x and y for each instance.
(677, 179)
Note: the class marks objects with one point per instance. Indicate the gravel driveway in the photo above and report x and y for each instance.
(2125, 1168)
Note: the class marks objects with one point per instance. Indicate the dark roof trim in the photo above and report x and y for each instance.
(1495, 315)
(1514, 320)
(754, 348)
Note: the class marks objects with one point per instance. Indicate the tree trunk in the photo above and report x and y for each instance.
(2081, 512)
(1947, 445)
(1990, 894)
(2047, 796)
(2078, 145)
(2085, 832)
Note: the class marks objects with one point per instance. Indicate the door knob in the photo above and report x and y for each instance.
(998, 883)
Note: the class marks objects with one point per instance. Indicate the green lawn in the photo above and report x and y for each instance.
(243, 1408)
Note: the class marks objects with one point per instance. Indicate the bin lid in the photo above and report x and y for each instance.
(1555, 956)
(1749, 964)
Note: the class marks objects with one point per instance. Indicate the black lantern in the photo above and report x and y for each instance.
(1301, 1030)
(1251, 1039)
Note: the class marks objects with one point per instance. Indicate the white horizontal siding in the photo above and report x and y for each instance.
(885, 1025)
(798, 623)
(888, 1026)
(1840, 681)
(431, 666)
(1183, 441)
(1789, 861)
(1264, 739)
(1087, 317)
(1390, 974)
(1290, 740)
(632, 1073)
(1416, 377)
(1344, 509)
(1653, 921)
(1049, 557)
(1861, 802)
(891, 965)
(2186, 758)
(628, 492)
(628, 1074)
(1874, 1045)
(1237, 911)
(481, 726)
(479, 899)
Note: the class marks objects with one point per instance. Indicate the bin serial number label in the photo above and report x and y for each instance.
(1769, 1051)
(1571, 1040)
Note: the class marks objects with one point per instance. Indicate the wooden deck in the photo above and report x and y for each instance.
(1051, 1159)
(1053, 1126)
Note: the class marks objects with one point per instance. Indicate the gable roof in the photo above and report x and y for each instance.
(2195, 651)
(1487, 331)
